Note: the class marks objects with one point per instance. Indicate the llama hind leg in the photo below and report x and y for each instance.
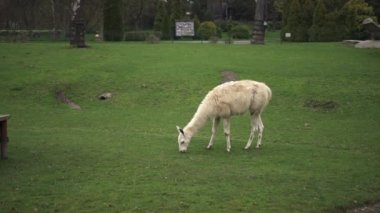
(226, 123)
(260, 132)
(254, 128)
(215, 124)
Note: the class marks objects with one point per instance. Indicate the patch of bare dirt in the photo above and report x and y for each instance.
(229, 75)
(367, 208)
(322, 105)
(374, 208)
(61, 97)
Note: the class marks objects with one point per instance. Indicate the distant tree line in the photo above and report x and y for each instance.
(297, 16)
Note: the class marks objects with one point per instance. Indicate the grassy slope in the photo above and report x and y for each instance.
(122, 154)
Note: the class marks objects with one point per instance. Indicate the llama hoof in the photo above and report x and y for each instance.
(246, 148)
(258, 147)
(228, 150)
(208, 147)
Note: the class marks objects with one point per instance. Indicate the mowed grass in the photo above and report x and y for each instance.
(121, 155)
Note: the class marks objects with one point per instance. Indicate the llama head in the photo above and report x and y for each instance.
(183, 141)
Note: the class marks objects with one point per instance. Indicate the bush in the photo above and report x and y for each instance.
(152, 39)
(207, 29)
(213, 39)
(241, 31)
(141, 35)
(353, 13)
(30, 35)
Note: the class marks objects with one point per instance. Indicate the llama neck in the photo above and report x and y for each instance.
(197, 122)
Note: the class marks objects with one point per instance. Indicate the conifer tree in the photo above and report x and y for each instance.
(160, 15)
(294, 19)
(307, 11)
(165, 28)
(113, 27)
(176, 13)
(315, 31)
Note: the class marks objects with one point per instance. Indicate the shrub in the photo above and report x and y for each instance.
(228, 40)
(135, 35)
(213, 39)
(141, 35)
(207, 29)
(152, 39)
(353, 13)
(241, 31)
(26, 35)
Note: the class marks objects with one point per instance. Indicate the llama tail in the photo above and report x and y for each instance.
(269, 91)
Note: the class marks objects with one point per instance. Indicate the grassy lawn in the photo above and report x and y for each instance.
(122, 155)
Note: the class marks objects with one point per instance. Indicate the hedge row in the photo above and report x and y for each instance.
(26, 35)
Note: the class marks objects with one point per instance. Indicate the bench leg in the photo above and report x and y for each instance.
(4, 140)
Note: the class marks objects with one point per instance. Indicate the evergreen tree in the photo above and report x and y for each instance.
(165, 29)
(294, 19)
(160, 15)
(306, 19)
(318, 21)
(162, 20)
(197, 23)
(113, 27)
(176, 13)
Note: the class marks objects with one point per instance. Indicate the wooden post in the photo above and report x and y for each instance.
(4, 136)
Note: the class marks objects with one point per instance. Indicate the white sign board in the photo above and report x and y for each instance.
(184, 28)
(288, 35)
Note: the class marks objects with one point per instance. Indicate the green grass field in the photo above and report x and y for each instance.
(121, 155)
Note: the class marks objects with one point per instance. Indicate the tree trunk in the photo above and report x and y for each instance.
(258, 35)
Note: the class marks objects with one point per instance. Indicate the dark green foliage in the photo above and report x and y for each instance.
(376, 7)
(294, 22)
(140, 35)
(197, 23)
(306, 18)
(241, 31)
(327, 26)
(324, 20)
(353, 13)
(315, 32)
(162, 20)
(207, 29)
(160, 15)
(175, 13)
(31, 35)
(165, 30)
(113, 27)
(300, 18)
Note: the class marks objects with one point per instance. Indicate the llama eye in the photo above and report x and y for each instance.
(182, 142)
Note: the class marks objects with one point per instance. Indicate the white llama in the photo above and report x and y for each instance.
(224, 101)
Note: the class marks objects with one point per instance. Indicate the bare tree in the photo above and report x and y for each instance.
(258, 35)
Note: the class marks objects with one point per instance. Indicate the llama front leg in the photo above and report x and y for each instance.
(215, 124)
(227, 133)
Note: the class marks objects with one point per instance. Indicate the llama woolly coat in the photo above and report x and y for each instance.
(228, 99)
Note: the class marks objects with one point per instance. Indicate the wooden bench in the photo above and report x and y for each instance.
(4, 136)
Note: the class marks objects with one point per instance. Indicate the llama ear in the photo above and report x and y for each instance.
(180, 131)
